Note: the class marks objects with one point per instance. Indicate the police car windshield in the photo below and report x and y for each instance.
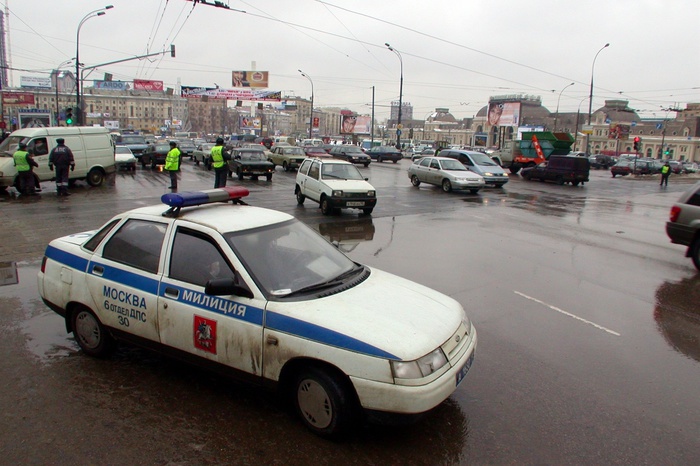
(287, 257)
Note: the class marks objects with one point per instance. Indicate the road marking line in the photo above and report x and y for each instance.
(599, 327)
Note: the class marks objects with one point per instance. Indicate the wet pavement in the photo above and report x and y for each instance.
(588, 321)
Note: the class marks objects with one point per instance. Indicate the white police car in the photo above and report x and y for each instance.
(258, 292)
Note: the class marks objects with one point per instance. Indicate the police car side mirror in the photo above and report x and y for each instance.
(227, 286)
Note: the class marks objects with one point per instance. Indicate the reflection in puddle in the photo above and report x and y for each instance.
(347, 234)
(677, 315)
(47, 338)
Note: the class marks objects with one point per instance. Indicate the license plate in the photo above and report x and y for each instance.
(354, 204)
(465, 368)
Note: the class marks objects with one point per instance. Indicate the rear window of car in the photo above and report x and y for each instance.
(694, 198)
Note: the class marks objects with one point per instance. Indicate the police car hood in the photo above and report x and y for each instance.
(384, 313)
(348, 185)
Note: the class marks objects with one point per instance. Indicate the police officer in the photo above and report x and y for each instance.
(24, 162)
(219, 157)
(172, 164)
(665, 173)
(61, 157)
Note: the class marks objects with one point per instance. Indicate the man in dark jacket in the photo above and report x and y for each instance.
(61, 157)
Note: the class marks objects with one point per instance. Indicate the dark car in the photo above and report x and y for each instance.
(622, 168)
(135, 142)
(600, 161)
(683, 226)
(560, 169)
(155, 154)
(382, 153)
(315, 151)
(187, 148)
(252, 162)
(350, 153)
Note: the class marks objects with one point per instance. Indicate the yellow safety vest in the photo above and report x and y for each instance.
(172, 160)
(21, 163)
(217, 156)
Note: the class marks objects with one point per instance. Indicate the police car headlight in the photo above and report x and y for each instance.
(420, 367)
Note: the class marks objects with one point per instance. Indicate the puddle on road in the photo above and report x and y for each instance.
(44, 331)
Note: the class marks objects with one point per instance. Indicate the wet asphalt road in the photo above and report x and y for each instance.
(588, 322)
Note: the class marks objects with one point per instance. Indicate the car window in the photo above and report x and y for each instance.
(38, 146)
(252, 155)
(340, 171)
(434, 164)
(694, 199)
(92, 243)
(304, 167)
(137, 243)
(453, 165)
(196, 259)
(313, 171)
(425, 162)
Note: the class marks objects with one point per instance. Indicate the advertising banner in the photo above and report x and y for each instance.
(504, 113)
(250, 79)
(34, 119)
(109, 124)
(353, 124)
(17, 98)
(245, 122)
(618, 131)
(110, 85)
(230, 94)
(148, 85)
(35, 82)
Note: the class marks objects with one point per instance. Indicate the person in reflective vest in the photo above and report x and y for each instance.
(61, 157)
(665, 173)
(172, 164)
(23, 163)
(219, 159)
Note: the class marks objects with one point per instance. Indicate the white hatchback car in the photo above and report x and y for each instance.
(265, 297)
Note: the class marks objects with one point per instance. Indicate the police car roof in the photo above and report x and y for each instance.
(221, 217)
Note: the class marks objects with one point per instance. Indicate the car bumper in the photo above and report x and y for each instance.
(496, 179)
(353, 202)
(679, 233)
(467, 184)
(404, 399)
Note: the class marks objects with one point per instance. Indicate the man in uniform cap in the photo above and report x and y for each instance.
(61, 157)
(172, 164)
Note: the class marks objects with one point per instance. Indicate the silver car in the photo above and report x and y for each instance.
(445, 172)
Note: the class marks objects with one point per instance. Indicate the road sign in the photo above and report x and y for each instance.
(587, 129)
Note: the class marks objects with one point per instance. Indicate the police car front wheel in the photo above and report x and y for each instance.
(325, 406)
(90, 334)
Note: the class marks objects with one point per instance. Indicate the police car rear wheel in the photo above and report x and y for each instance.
(91, 336)
(324, 406)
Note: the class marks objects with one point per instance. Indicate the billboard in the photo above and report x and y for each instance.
(35, 82)
(354, 124)
(110, 85)
(249, 79)
(34, 119)
(618, 131)
(504, 113)
(17, 98)
(148, 85)
(231, 94)
(246, 122)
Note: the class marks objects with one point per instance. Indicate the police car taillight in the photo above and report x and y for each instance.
(176, 201)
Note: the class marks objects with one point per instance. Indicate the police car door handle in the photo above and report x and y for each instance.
(98, 270)
(172, 292)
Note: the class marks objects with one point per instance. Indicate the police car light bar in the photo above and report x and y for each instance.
(176, 201)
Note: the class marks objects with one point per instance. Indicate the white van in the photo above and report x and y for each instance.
(312, 142)
(92, 149)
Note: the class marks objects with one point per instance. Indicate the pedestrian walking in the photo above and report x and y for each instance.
(62, 159)
(24, 162)
(219, 159)
(665, 173)
(172, 164)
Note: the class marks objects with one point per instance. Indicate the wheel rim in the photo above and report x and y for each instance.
(415, 181)
(87, 330)
(314, 404)
(446, 186)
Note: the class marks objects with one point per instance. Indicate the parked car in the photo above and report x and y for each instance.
(382, 153)
(187, 147)
(350, 153)
(623, 167)
(250, 162)
(202, 153)
(259, 295)
(124, 159)
(155, 154)
(448, 173)
(676, 166)
(479, 163)
(560, 169)
(136, 142)
(423, 153)
(334, 184)
(600, 161)
(683, 226)
(289, 157)
(690, 167)
(315, 151)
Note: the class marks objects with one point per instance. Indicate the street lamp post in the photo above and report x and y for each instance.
(311, 117)
(556, 116)
(92, 14)
(398, 124)
(590, 97)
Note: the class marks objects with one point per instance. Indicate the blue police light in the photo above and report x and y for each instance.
(176, 201)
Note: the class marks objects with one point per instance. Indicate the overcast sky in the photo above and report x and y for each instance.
(456, 53)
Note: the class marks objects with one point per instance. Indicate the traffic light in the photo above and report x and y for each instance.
(637, 143)
(69, 116)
